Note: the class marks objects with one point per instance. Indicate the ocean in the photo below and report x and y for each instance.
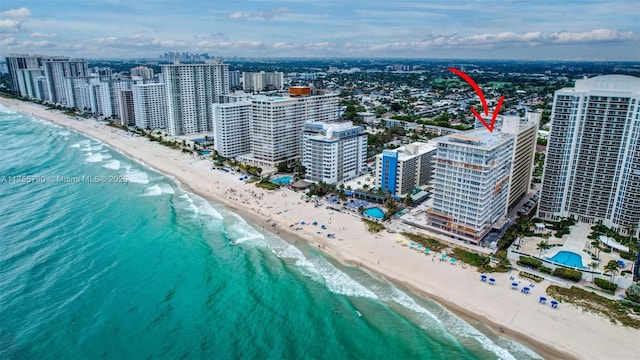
(92, 267)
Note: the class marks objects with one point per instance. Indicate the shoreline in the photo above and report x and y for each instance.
(550, 333)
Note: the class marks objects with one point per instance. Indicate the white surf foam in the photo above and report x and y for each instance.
(76, 145)
(321, 270)
(138, 177)
(86, 149)
(167, 189)
(113, 165)
(154, 190)
(461, 329)
(92, 158)
(409, 303)
(64, 133)
(96, 147)
(201, 207)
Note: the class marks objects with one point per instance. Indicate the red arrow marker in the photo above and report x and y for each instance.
(478, 91)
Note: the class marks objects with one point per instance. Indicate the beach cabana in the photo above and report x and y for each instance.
(554, 304)
(543, 300)
(483, 277)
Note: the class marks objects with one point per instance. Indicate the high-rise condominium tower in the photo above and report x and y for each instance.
(190, 91)
(592, 168)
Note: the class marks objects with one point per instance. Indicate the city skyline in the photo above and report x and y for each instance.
(592, 30)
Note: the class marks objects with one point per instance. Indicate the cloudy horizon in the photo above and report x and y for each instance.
(518, 30)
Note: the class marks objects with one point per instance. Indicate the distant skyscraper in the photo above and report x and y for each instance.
(401, 170)
(234, 79)
(262, 81)
(471, 183)
(592, 167)
(142, 71)
(150, 106)
(333, 152)
(190, 91)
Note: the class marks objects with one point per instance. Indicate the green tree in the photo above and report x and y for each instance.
(612, 267)
(542, 245)
(593, 265)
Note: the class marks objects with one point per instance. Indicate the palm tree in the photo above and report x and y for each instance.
(542, 245)
(612, 267)
(593, 265)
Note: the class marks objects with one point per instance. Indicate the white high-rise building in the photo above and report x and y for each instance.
(592, 167)
(262, 81)
(333, 152)
(59, 72)
(24, 71)
(400, 171)
(471, 183)
(190, 91)
(276, 125)
(231, 136)
(115, 87)
(149, 104)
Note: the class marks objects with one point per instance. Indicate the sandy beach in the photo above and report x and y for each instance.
(566, 332)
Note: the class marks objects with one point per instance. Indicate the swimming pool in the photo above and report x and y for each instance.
(374, 212)
(568, 258)
(282, 180)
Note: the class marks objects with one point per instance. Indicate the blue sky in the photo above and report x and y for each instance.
(478, 29)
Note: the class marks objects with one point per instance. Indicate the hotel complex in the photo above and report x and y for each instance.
(333, 152)
(471, 183)
(401, 170)
(592, 169)
(276, 125)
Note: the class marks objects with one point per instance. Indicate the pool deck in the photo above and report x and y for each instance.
(575, 242)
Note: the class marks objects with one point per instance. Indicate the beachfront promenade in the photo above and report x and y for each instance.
(553, 333)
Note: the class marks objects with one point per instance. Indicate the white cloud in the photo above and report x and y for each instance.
(44, 35)
(264, 15)
(21, 13)
(13, 19)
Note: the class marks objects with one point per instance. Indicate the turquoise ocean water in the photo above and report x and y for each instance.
(143, 269)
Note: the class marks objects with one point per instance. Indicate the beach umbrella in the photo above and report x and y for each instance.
(427, 250)
(621, 263)
(492, 281)
(514, 285)
(554, 304)
(483, 277)
(525, 290)
(314, 223)
(444, 256)
(453, 260)
(543, 299)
